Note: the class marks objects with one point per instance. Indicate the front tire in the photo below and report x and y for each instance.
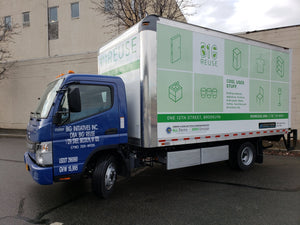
(104, 177)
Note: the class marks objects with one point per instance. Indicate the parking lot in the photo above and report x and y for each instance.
(207, 194)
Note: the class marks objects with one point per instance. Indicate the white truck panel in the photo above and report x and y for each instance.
(194, 157)
(213, 86)
(191, 84)
(121, 57)
(182, 159)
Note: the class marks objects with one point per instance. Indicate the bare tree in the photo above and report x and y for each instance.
(129, 12)
(7, 31)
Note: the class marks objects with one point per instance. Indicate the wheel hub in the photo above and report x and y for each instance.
(110, 176)
(247, 156)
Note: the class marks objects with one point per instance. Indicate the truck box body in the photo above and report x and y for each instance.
(187, 84)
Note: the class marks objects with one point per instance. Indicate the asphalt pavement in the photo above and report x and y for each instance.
(206, 194)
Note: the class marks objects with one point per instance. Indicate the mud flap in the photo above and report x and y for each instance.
(291, 140)
(259, 151)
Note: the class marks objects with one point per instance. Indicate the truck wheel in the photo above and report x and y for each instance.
(104, 177)
(246, 156)
(242, 156)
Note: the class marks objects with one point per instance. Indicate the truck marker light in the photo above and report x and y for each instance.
(162, 141)
(208, 137)
(277, 131)
(235, 135)
(217, 136)
(27, 167)
(258, 132)
(197, 138)
(251, 133)
(226, 135)
(265, 132)
(175, 139)
(243, 133)
(65, 178)
(186, 139)
(60, 75)
(71, 72)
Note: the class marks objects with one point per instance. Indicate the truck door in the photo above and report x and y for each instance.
(77, 134)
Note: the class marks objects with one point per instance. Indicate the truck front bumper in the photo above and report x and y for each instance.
(42, 175)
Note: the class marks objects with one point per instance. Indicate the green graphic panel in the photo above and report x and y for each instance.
(259, 96)
(279, 97)
(174, 91)
(208, 93)
(170, 118)
(174, 48)
(259, 63)
(280, 66)
(236, 58)
(124, 69)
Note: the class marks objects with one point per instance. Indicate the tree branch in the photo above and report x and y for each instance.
(6, 37)
(126, 13)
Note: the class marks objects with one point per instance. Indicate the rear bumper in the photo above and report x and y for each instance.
(42, 175)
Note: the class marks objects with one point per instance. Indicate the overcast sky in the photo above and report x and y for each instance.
(233, 16)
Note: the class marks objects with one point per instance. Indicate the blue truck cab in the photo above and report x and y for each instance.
(79, 130)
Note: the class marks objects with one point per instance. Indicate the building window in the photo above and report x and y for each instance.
(26, 19)
(75, 10)
(109, 5)
(52, 23)
(52, 15)
(7, 22)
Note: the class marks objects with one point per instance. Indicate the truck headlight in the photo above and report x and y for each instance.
(43, 154)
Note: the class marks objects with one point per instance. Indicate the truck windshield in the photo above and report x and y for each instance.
(47, 99)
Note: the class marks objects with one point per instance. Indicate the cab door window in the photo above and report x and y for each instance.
(94, 99)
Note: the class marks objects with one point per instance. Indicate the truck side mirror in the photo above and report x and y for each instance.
(57, 118)
(74, 100)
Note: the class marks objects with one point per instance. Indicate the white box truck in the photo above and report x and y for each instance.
(167, 92)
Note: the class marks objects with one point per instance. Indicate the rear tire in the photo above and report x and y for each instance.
(104, 177)
(242, 156)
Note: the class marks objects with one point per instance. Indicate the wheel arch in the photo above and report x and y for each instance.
(106, 152)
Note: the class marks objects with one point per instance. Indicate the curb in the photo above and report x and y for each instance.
(12, 136)
(12, 133)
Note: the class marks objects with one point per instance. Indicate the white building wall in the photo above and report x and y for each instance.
(31, 41)
(37, 60)
(27, 81)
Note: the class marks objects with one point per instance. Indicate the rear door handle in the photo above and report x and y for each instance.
(111, 131)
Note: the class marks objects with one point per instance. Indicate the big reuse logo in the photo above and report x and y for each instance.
(209, 54)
